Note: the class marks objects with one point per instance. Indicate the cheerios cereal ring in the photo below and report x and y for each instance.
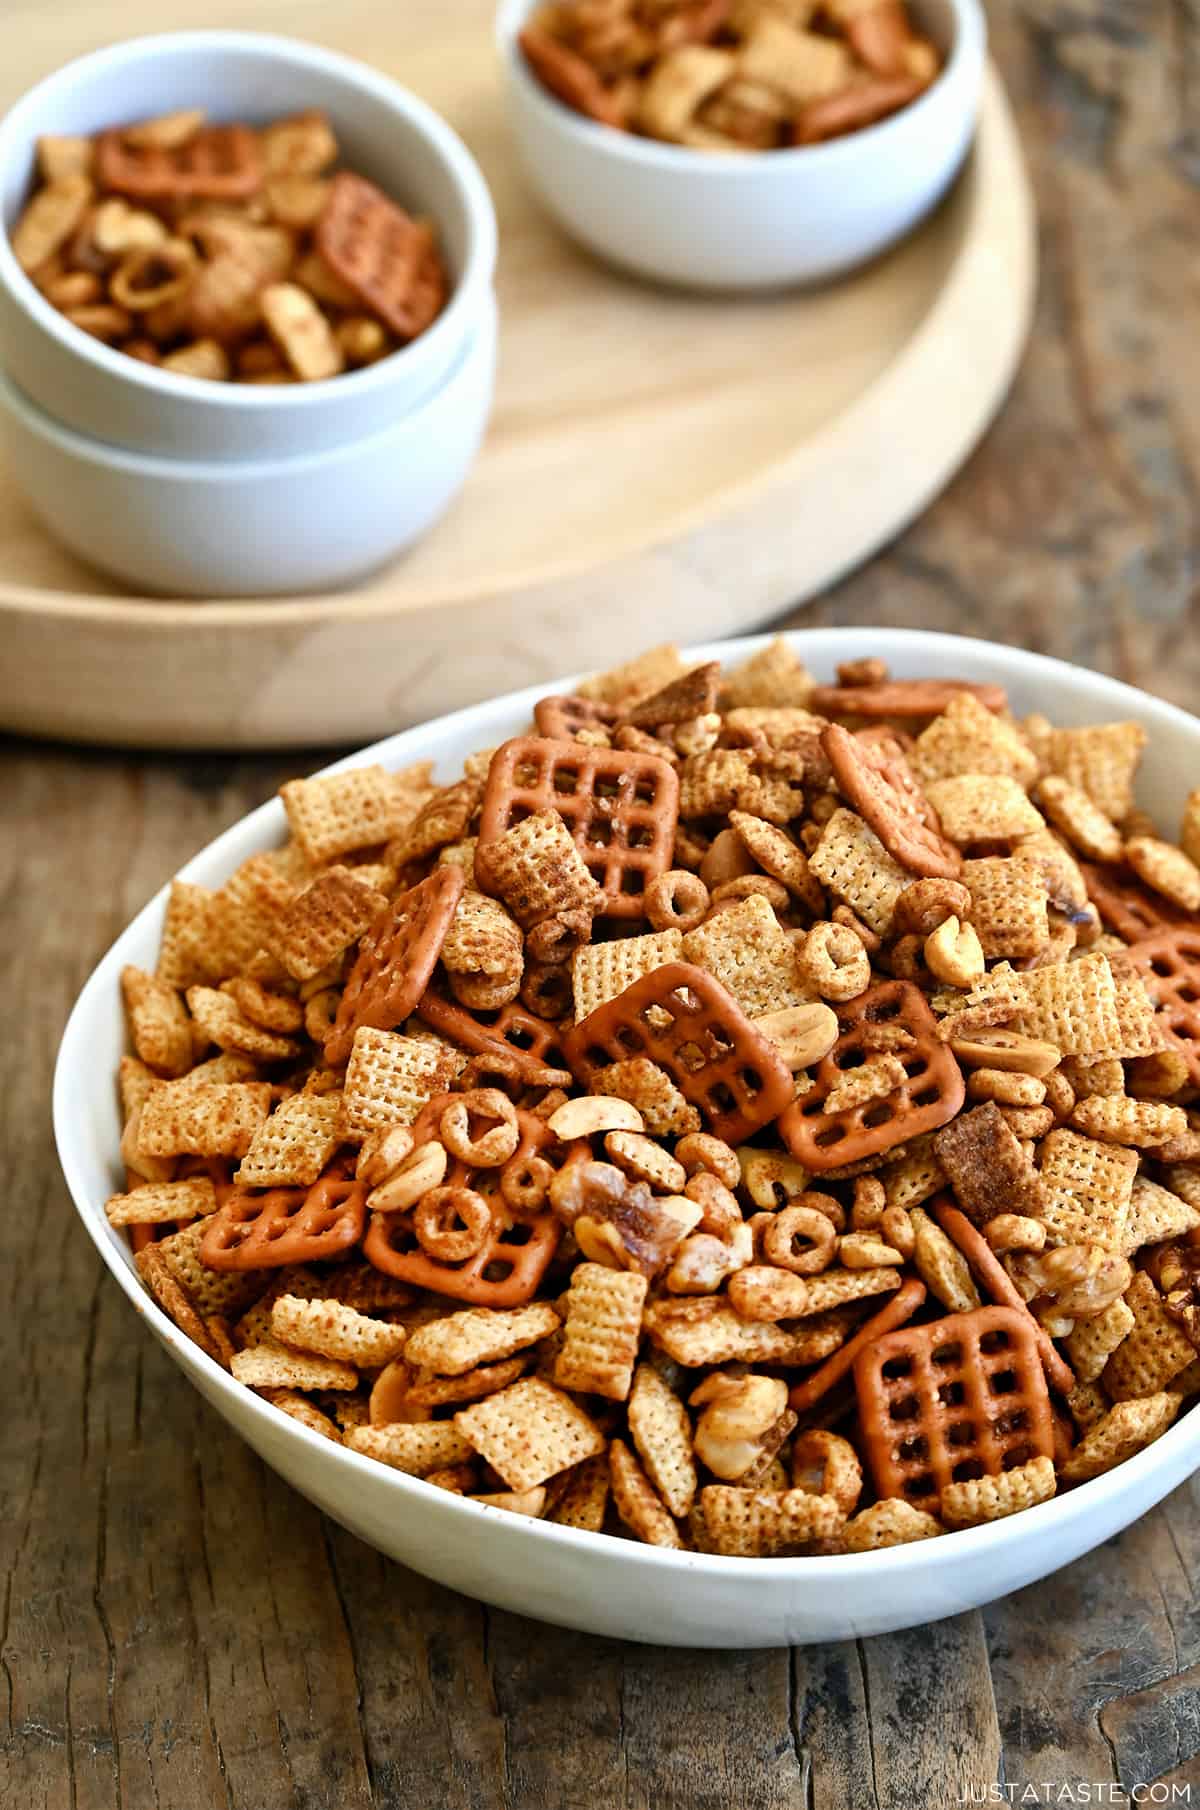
(489, 1148)
(677, 900)
(452, 1224)
(808, 1227)
(525, 1184)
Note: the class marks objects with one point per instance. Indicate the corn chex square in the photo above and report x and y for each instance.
(602, 1330)
(1088, 1187)
(225, 1024)
(1102, 760)
(637, 1501)
(665, 1112)
(1139, 1033)
(980, 1499)
(390, 1077)
(749, 952)
(345, 811)
(662, 1432)
(774, 677)
(211, 1291)
(969, 738)
(583, 1497)
(530, 1432)
(536, 868)
(331, 1329)
(1156, 1213)
(271, 1365)
(324, 920)
(162, 1203)
(983, 807)
(191, 947)
(853, 863)
(635, 679)
(295, 1144)
(158, 1022)
(1094, 1340)
(182, 1120)
(417, 1447)
(750, 1523)
(1072, 1005)
(249, 907)
(1126, 1429)
(599, 971)
(1008, 905)
(456, 1343)
(1153, 1352)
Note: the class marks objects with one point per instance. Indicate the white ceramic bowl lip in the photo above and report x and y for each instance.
(169, 470)
(831, 158)
(474, 280)
(74, 1076)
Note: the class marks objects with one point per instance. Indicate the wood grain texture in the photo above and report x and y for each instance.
(178, 1630)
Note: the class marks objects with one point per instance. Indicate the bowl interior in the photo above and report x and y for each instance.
(85, 1105)
(952, 25)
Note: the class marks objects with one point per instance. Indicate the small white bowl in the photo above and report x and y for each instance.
(591, 1581)
(385, 133)
(226, 528)
(763, 220)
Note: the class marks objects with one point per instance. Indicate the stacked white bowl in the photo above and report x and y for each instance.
(181, 485)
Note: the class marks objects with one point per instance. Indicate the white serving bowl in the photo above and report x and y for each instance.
(592, 1581)
(737, 221)
(230, 528)
(385, 133)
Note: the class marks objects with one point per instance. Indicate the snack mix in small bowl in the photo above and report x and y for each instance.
(731, 75)
(742, 1114)
(227, 251)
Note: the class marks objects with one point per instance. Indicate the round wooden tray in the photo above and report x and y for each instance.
(659, 465)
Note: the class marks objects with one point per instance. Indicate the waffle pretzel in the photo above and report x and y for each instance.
(218, 163)
(1170, 961)
(377, 250)
(507, 1269)
(621, 810)
(251, 1231)
(709, 1048)
(933, 1090)
(529, 1044)
(960, 1398)
(1126, 906)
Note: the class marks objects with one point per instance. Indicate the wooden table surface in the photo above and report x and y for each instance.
(181, 1631)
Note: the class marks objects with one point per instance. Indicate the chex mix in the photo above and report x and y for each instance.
(739, 1114)
(731, 75)
(228, 252)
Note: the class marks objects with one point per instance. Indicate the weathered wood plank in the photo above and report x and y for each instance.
(1086, 1691)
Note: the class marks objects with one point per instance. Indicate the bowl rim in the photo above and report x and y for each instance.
(946, 652)
(454, 321)
(966, 59)
(103, 455)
